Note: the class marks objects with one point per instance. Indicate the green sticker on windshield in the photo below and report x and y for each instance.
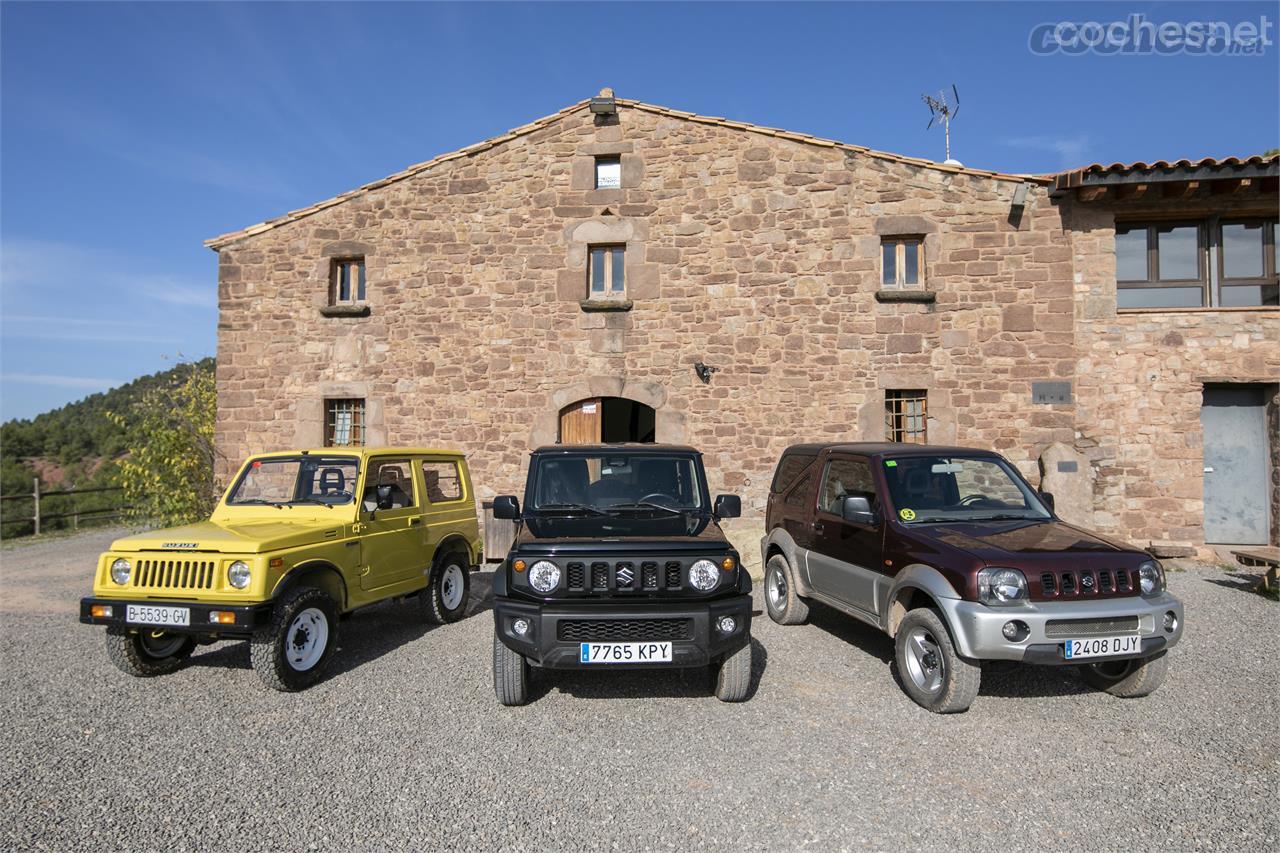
(892, 463)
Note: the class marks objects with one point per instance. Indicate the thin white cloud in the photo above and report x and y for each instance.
(175, 293)
(84, 382)
(52, 333)
(1070, 149)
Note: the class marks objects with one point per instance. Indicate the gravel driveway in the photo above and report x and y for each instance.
(403, 744)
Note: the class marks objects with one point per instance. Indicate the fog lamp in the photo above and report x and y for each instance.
(726, 624)
(1170, 622)
(1015, 631)
(222, 617)
(520, 627)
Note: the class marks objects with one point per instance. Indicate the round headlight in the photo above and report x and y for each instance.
(704, 574)
(1001, 586)
(543, 576)
(238, 574)
(120, 571)
(1150, 578)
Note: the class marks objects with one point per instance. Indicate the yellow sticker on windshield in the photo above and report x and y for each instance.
(907, 514)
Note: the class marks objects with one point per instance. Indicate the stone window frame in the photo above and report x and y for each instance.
(641, 277)
(898, 415)
(899, 227)
(332, 255)
(607, 160)
(357, 427)
(352, 268)
(900, 243)
(611, 253)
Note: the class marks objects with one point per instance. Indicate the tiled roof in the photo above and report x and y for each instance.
(523, 130)
(1163, 165)
(1207, 168)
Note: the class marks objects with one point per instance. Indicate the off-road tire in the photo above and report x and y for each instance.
(961, 677)
(790, 609)
(128, 651)
(432, 599)
(510, 674)
(269, 644)
(733, 675)
(1128, 679)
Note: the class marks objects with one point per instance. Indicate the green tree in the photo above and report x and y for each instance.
(168, 472)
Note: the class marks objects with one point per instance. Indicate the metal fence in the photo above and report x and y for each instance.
(70, 512)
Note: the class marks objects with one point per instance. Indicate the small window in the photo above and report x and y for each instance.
(608, 173)
(845, 478)
(442, 480)
(798, 495)
(901, 261)
(1160, 265)
(1248, 271)
(346, 281)
(397, 474)
(905, 416)
(344, 423)
(605, 272)
(789, 468)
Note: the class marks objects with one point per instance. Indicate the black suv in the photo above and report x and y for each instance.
(618, 561)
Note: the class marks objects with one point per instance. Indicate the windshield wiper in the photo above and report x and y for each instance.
(315, 501)
(582, 507)
(257, 502)
(1004, 516)
(648, 505)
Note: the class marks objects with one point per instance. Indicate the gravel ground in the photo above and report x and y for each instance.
(403, 744)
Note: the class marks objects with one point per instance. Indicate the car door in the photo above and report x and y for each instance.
(391, 536)
(447, 501)
(845, 557)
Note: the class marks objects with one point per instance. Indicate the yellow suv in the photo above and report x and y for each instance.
(299, 539)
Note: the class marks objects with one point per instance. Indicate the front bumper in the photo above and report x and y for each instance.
(248, 617)
(543, 647)
(977, 628)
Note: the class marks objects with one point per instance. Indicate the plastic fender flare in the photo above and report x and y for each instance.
(781, 539)
(334, 583)
(446, 544)
(916, 576)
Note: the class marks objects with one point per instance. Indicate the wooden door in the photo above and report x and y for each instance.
(580, 422)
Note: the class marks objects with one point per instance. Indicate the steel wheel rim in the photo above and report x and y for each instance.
(451, 586)
(306, 639)
(925, 664)
(777, 589)
(161, 644)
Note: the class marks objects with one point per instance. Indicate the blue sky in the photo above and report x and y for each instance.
(130, 133)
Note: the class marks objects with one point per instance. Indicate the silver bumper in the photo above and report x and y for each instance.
(977, 628)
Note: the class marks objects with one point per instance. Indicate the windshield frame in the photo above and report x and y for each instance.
(694, 460)
(1030, 494)
(345, 458)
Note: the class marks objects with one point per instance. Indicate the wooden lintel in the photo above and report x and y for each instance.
(1091, 193)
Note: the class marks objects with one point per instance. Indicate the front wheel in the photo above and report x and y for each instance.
(784, 606)
(510, 674)
(733, 675)
(291, 651)
(147, 652)
(445, 598)
(932, 673)
(1128, 679)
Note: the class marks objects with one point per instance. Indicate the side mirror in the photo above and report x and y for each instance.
(1048, 501)
(727, 506)
(506, 507)
(384, 496)
(857, 508)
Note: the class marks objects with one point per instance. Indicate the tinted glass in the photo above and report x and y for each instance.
(1179, 252)
(790, 466)
(296, 479)
(845, 478)
(888, 259)
(911, 263)
(1242, 250)
(1159, 297)
(1244, 295)
(617, 483)
(951, 488)
(1131, 254)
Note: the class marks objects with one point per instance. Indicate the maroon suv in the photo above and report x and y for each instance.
(953, 554)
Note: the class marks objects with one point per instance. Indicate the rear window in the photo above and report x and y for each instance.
(791, 466)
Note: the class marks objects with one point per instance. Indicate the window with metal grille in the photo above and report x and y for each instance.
(905, 414)
(346, 281)
(606, 272)
(901, 262)
(344, 423)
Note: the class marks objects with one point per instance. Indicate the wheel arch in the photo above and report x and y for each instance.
(320, 574)
(779, 542)
(916, 586)
(455, 542)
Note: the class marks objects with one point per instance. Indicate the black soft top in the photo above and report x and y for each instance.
(626, 447)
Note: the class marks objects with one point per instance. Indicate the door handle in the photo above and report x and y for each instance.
(414, 521)
(353, 543)
(818, 527)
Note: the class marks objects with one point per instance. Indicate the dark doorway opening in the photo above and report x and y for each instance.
(606, 420)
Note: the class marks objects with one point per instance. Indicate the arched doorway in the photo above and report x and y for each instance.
(606, 420)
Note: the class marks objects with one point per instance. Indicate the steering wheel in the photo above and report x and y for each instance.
(980, 500)
(657, 498)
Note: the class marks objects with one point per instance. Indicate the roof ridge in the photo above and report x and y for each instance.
(538, 124)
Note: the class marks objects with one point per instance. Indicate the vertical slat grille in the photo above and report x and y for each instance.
(174, 574)
(1104, 580)
(599, 575)
(649, 575)
(673, 575)
(577, 576)
(1068, 584)
(1048, 584)
(1122, 580)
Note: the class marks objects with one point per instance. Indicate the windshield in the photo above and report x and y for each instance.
(617, 483)
(290, 480)
(955, 488)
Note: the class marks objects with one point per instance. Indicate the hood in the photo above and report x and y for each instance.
(251, 537)
(632, 534)
(1017, 543)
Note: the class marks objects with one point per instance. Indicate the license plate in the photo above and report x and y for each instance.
(1098, 647)
(625, 653)
(146, 614)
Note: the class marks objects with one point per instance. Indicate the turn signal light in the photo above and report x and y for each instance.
(727, 564)
(100, 611)
(276, 562)
(222, 617)
(518, 565)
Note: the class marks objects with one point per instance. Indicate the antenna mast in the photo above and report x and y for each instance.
(941, 111)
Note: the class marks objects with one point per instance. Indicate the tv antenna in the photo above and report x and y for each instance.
(941, 111)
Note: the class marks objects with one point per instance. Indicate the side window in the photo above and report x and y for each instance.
(798, 495)
(443, 481)
(789, 468)
(396, 473)
(845, 478)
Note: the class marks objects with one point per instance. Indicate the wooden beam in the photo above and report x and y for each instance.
(1181, 191)
(1131, 192)
(1091, 193)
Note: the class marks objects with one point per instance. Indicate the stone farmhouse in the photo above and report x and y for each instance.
(620, 271)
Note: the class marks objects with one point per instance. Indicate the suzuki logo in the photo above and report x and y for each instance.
(1086, 581)
(626, 575)
(186, 546)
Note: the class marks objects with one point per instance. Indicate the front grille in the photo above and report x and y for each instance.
(624, 630)
(1068, 584)
(1104, 581)
(624, 576)
(1081, 583)
(174, 574)
(599, 575)
(673, 574)
(1122, 580)
(649, 575)
(1048, 584)
(576, 575)
(1072, 628)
